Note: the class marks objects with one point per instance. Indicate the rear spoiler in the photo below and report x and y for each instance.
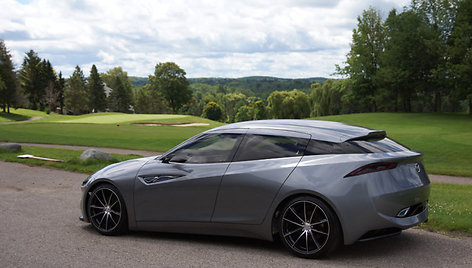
(374, 135)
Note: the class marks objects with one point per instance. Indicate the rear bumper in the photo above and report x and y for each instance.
(378, 211)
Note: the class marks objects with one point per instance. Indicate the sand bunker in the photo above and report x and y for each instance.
(172, 125)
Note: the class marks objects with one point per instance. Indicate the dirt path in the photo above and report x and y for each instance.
(32, 119)
(103, 149)
(432, 177)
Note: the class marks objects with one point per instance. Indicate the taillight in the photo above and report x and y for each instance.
(375, 167)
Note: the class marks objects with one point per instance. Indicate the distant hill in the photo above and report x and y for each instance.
(262, 86)
(139, 81)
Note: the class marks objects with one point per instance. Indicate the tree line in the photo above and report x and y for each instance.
(416, 60)
(37, 86)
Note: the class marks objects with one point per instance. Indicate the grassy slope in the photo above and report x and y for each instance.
(445, 139)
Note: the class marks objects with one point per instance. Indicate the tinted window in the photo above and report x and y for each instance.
(353, 147)
(211, 148)
(256, 147)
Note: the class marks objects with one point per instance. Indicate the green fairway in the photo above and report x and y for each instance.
(445, 139)
(115, 118)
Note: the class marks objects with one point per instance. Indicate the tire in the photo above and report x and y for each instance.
(107, 211)
(309, 228)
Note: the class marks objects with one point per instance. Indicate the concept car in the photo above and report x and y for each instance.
(314, 184)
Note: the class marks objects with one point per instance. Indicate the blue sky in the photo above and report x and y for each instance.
(211, 38)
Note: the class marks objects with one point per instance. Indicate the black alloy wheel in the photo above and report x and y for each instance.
(106, 210)
(308, 228)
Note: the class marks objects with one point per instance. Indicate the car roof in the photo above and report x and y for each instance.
(319, 130)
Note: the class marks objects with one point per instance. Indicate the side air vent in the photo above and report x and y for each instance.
(151, 180)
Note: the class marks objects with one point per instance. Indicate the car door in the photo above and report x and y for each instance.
(261, 165)
(182, 185)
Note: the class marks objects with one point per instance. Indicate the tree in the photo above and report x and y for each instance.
(96, 91)
(232, 102)
(275, 102)
(213, 111)
(243, 114)
(7, 78)
(121, 95)
(461, 53)
(290, 105)
(408, 60)
(169, 79)
(440, 15)
(60, 86)
(51, 94)
(148, 101)
(75, 94)
(327, 99)
(260, 112)
(32, 79)
(363, 60)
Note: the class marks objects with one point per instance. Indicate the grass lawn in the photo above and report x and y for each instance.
(70, 158)
(445, 139)
(450, 208)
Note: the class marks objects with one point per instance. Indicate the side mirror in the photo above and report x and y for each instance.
(166, 159)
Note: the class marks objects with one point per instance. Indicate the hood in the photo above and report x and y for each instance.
(121, 170)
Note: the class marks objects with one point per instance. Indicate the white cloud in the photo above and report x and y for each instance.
(287, 38)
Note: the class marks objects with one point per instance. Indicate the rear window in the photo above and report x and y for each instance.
(385, 145)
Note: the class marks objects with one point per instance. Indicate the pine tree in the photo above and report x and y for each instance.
(121, 95)
(8, 78)
(32, 80)
(60, 86)
(96, 91)
(75, 94)
(50, 91)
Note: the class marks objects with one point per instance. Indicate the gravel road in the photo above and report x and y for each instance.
(39, 210)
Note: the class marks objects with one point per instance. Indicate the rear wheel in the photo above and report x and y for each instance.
(106, 210)
(308, 227)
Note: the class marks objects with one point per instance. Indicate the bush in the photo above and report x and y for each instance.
(213, 111)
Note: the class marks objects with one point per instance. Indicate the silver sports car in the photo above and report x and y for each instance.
(314, 184)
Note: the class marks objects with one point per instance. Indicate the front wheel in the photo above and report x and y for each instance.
(308, 228)
(106, 210)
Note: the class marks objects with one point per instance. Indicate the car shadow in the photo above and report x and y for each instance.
(381, 248)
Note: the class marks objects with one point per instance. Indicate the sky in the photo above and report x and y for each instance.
(216, 38)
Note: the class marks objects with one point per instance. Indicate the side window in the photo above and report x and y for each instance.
(211, 148)
(255, 147)
(316, 147)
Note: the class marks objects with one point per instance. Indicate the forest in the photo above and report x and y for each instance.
(418, 59)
